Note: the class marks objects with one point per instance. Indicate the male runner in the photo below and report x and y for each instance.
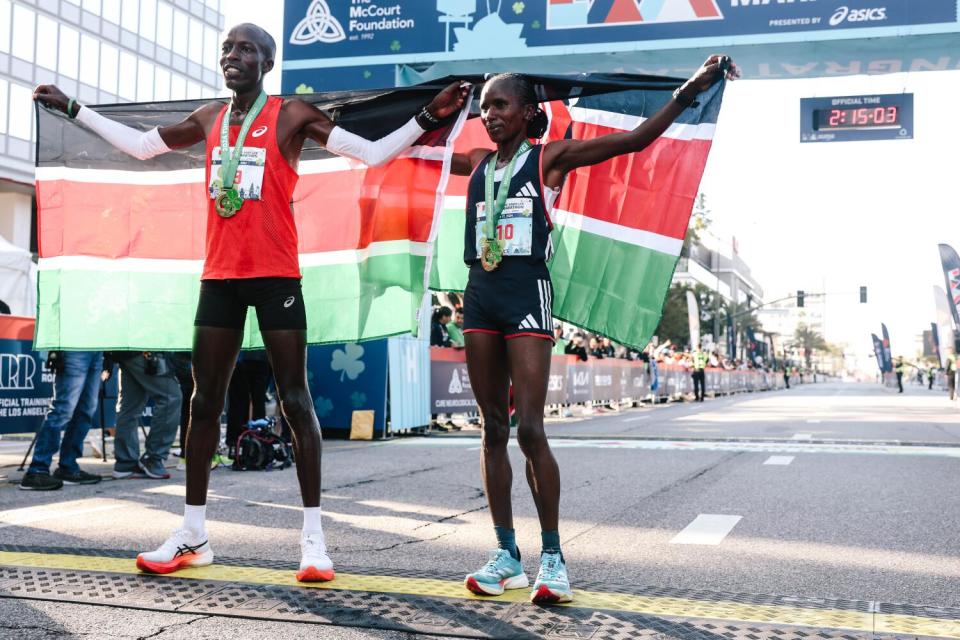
(251, 259)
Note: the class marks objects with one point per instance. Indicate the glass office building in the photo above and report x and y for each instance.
(100, 51)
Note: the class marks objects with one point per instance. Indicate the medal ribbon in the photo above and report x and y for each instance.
(229, 161)
(495, 207)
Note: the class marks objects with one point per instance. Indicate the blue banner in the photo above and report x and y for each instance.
(389, 31)
(26, 387)
(878, 351)
(731, 339)
(887, 354)
(346, 378)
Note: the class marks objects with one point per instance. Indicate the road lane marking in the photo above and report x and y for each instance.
(636, 419)
(802, 436)
(814, 421)
(708, 529)
(747, 446)
(779, 460)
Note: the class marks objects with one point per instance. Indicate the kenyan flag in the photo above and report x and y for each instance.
(619, 225)
(122, 241)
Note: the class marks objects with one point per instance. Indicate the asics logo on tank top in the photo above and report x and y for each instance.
(259, 131)
(289, 302)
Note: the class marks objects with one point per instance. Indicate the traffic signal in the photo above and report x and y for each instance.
(799, 298)
(863, 295)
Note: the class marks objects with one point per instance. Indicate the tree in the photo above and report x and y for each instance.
(809, 340)
(674, 322)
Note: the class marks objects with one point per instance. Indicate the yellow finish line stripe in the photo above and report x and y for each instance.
(427, 587)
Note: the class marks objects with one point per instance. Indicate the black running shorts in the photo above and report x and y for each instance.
(278, 301)
(514, 300)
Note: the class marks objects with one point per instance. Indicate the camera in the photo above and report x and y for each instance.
(55, 362)
(152, 366)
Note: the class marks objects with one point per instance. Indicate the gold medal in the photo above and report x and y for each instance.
(227, 202)
(490, 254)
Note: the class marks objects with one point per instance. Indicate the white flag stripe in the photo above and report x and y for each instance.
(455, 202)
(116, 176)
(158, 265)
(158, 177)
(618, 232)
(627, 122)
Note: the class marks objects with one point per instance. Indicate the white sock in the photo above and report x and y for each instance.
(195, 518)
(311, 521)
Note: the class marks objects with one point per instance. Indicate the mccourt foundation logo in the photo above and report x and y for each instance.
(318, 25)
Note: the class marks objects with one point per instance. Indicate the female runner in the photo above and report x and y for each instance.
(507, 304)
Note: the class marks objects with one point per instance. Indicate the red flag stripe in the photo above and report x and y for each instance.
(335, 211)
(627, 191)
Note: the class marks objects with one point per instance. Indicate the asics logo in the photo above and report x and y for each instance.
(289, 302)
(846, 14)
(259, 131)
(318, 25)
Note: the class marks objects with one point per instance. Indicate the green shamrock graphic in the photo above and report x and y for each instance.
(535, 24)
(395, 46)
(303, 88)
(518, 7)
(358, 399)
(323, 407)
(367, 74)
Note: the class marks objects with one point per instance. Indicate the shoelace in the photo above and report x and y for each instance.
(180, 538)
(493, 564)
(311, 545)
(551, 568)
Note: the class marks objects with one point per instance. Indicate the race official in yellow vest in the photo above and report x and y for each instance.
(700, 359)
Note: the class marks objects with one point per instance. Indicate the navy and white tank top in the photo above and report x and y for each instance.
(525, 225)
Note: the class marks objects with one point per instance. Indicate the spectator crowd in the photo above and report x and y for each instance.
(161, 380)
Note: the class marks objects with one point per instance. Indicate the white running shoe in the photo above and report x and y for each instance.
(315, 564)
(183, 548)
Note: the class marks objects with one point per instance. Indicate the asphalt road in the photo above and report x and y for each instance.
(822, 491)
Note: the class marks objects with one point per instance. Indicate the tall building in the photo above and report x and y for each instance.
(100, 51)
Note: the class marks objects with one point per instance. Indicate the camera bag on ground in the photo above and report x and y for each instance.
(259, 448)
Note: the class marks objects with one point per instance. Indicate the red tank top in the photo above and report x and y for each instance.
(261, 239)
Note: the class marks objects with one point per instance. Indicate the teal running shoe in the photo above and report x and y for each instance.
(501, 572)
(552, 585)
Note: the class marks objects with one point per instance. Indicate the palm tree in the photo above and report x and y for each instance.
(809, 340)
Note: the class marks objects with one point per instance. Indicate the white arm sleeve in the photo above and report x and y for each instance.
(374, 152)
(139, 144)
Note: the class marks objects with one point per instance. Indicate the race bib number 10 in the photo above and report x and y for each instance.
(514, 229)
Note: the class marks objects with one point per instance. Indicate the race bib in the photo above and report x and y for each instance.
(249, 178)
(514, 229)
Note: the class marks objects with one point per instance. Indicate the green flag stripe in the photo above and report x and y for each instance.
(107, 310)
(634, 283)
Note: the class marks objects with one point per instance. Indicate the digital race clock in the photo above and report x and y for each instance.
(856, 118)
(846, 118)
